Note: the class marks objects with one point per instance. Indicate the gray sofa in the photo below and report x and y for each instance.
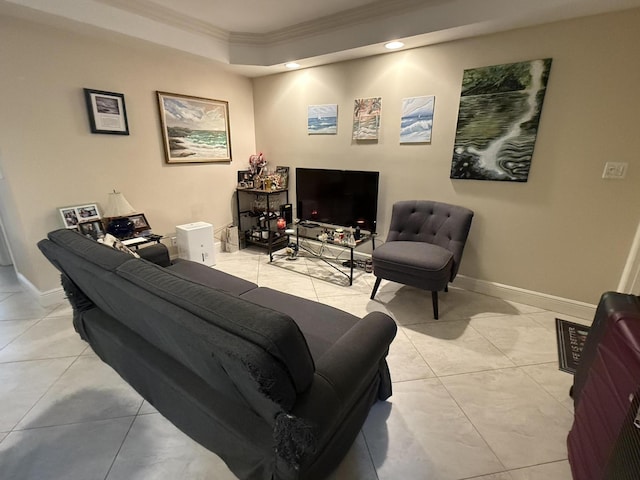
(276, 385)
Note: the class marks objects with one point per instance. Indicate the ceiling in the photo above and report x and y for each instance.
(256, 37)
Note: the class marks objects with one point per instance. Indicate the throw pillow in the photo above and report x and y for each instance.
(111, 241)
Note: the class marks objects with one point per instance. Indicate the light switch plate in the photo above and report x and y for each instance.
(615, 170)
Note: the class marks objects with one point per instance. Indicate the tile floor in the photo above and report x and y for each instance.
(477, 394)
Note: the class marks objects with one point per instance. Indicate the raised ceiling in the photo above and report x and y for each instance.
(256, 37)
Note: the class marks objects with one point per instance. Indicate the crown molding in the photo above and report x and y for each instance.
(351, 17)
(153, 11)
(330, 23)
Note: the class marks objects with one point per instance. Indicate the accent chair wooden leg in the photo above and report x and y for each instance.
(434, 298)
(375, 287)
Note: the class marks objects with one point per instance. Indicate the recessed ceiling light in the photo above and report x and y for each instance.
(292, 65)
(394, 45)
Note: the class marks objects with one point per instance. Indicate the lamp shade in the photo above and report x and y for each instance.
(117, 206)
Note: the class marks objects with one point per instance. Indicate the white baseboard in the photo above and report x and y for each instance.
(527, 297)
(505, 292)
(45, 299)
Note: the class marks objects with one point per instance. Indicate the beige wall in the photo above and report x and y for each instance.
(566, 232)
(50, 159)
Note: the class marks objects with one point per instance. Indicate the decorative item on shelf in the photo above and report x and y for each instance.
(245, 179)
(117, 211)
(283, 177)
(350, 241)
(339, 237)
(281, 223)
(257, 163)
(357, 234)
(292, 251)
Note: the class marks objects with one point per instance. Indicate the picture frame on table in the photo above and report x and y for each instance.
(74, 215)
(140, 223)
(107, 112)
(245, 179)
(284, 176)
(93, 229)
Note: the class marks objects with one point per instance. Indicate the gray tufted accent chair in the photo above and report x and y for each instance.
(424, 246)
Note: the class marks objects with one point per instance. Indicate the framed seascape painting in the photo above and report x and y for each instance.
(107, 112)
(194, 129)
(417, 119)
(322, 119)
(500, 108)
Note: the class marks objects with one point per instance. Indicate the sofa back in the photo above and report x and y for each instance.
(250, 353)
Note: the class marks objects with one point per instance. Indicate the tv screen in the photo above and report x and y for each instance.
(344, 198)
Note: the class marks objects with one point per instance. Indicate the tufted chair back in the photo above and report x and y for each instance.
(431, 222)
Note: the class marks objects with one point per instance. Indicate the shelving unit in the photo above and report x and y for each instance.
(253, 220)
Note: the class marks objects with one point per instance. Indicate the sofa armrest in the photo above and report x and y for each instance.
(350, 363)
(158, 254)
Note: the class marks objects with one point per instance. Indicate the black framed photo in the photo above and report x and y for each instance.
(245, 179)
(140, 223)
(93, 229)
(107, 112)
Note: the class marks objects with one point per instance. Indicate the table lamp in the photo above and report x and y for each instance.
(117, 212)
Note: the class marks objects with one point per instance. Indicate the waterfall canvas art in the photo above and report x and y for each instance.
(500, 109)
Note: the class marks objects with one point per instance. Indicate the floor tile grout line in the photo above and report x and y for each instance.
(44, 393)
(543, 387)
(366, 444)
(68, 424)
(124, 439)
(475, 428)
(37, 321)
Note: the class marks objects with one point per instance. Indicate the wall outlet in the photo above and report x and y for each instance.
(615, 170)
(174, 241)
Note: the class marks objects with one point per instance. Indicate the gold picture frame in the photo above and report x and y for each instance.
(194, 129)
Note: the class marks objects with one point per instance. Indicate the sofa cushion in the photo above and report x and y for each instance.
(320, 324)
(408, 262)
(274, 332)
(210, 277)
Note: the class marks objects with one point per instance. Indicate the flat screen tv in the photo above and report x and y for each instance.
(344, 198)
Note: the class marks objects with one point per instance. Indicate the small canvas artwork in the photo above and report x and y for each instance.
(500, 109)
(417, 119)
(322, 119)
(366, 118)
